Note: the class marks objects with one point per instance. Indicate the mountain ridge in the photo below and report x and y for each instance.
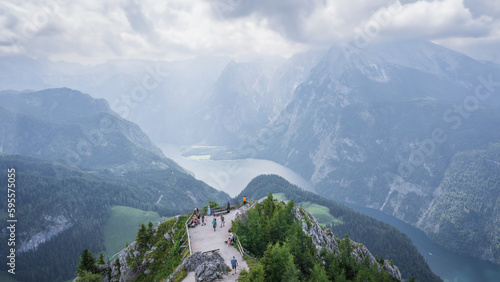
(375, 235)
(362, 130)
(69, 126)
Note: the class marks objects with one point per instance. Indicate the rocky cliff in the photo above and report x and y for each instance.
(382, 129)
(164, 254)
(323, 238)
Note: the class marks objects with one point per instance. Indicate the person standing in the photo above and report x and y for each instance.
(228, 206)
(203, 219)
(234, 263)
(208, 210)
(222, 223)
(244, 200)
(214, 223)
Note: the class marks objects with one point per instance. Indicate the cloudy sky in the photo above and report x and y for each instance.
(95, 31)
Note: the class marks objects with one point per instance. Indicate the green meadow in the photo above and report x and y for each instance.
(122, 227)
(321, 213)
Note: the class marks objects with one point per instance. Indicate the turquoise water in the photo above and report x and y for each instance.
(232, 176)
(448, 265)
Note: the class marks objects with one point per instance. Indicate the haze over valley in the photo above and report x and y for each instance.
(162, 107)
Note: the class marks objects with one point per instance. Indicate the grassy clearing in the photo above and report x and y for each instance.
(278, 196)
(122, 226)
(321, 213)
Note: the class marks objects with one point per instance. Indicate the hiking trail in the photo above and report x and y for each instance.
(204, 239)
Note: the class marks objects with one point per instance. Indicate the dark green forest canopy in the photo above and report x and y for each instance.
(83, 199)
(383, 240)
(271, 232)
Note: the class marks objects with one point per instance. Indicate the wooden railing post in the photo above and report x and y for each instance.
(187, 232)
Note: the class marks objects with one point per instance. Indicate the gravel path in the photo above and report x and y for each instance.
(204, 238)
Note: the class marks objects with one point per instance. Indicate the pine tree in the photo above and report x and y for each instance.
(150, 231)
(278, 263)
(257, 273)
(318, 274)
(87, 263)
(142, 236)
(101, 261)
(269, 206)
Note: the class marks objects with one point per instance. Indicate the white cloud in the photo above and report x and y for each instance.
(439, 19)
(95, 31)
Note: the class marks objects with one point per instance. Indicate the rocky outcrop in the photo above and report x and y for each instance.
(136, 259)
(53, 225)
(392, 269)
(320, 236)
(324, 238)
(207, 267)
(121, 271)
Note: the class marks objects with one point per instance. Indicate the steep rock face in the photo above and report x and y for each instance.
(380, 129)
(319, 235)
(124, 271)
(246, 97)
(465, 215)
(53, 226)
(323, 238)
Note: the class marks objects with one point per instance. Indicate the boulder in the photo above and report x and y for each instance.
(207, 267)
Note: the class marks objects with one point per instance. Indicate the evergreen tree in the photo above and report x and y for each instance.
(346, 259)
(257, 274)
(101, 261)
(150, 230)
(278, 264)
(142, 236)
(269, 206)
(318, 274)
(86, 264)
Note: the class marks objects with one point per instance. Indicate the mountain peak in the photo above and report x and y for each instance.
(70, 126)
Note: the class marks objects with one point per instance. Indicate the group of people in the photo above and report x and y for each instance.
(222, 222)
(200, 218)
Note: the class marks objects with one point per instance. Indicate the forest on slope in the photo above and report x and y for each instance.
(466, 215)
(62, 210)
(383, 240)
